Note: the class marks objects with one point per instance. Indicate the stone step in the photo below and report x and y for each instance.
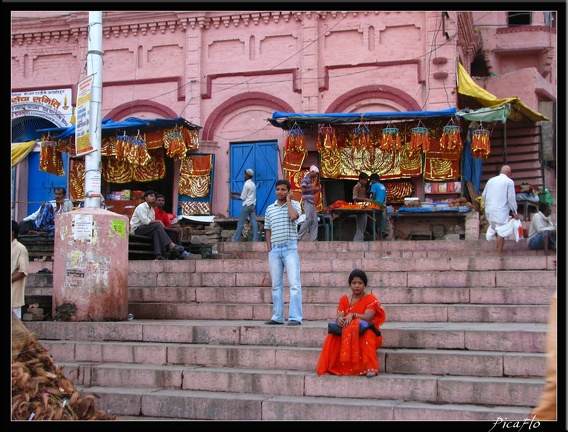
(417, 387)
(470, 247)
(322, 278)
(509, 337)
(464, 338)
(41, 285)
(391, 361)
(396, 312)
(369, 263)
(227, 406)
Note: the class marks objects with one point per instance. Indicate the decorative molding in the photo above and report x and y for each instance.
(127, 109)
(237, 102)
(377, 92)
(211, 77)
(326, 69)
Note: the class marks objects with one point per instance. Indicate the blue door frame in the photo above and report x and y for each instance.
(41, 185)
(262, 157)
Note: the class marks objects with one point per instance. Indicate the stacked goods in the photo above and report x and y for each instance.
(412, 202)
(40, 391)
(461, 201)
(344, 205)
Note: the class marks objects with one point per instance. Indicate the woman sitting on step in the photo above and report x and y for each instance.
(359, 317)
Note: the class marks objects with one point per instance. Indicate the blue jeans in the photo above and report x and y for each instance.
(285, 256)
(247, 211)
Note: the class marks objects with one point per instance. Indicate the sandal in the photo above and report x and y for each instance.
(371, 374)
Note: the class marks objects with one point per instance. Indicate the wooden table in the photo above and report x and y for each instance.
(415, 217)
(342, 213)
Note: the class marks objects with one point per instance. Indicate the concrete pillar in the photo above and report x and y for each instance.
(90, 266)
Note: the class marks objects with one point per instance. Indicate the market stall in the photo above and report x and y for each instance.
(137, 152)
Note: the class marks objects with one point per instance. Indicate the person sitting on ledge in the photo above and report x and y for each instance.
(542, 231)
(42, 221)
(144, 222)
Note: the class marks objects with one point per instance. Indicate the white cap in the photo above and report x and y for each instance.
(249, 172)
(314, 168)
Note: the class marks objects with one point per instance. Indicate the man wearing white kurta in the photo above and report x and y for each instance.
(499, 198)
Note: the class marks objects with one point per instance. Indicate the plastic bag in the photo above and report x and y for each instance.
(518, 230)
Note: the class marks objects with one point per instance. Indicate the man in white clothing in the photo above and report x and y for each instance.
(248, 210)
(499, 198)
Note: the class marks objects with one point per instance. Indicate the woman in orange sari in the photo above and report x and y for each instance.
(353, 353)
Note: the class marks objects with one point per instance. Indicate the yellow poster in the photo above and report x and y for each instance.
(83, 113)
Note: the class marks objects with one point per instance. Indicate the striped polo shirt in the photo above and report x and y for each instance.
(282, 228)
(307, 196)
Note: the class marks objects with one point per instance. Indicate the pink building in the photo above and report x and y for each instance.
(228, 72)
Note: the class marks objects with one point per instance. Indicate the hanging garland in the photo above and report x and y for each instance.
(295, 140)
(326, 138)
(390, 140)
(480, 144)
(132, 149)
(451, 138)
(419, 140)
(361, 138)
(174, 143)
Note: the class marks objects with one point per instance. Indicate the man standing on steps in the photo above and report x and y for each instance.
(499, 199)
(360, 195)
(310, 225)
(20, 262)
(378, 192)
(248, 209)
(282, 242)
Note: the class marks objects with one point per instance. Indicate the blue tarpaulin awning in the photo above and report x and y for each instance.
(131, 125)
(286, 120)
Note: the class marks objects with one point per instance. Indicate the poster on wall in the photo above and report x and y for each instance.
(82, 131)
(53, 105)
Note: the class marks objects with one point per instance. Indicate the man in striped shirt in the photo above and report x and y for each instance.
(282, 241)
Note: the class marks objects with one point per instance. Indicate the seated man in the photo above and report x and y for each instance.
(42, 221)
(542, 232)
(144, 222)
(172, 230)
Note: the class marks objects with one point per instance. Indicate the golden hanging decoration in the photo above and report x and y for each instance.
(361, 138)
(480, 144)
(451, 137)
(326, 138)
(390, 139)
(419, 140)
(295, 140)
(174, 143)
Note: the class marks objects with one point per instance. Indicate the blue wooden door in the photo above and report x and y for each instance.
(262, 157)
(41, 185)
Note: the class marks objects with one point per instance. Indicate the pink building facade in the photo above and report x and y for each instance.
(230, 71)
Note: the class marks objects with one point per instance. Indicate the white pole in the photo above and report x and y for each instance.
(94, 67)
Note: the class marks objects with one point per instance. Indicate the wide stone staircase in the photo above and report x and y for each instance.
(464, 337)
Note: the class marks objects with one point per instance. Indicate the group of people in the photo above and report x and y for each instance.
(370, 189)
(353, 352)
(150, 219)
(359, 316)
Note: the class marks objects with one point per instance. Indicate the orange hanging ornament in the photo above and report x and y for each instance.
(419, 140)
(480, 144)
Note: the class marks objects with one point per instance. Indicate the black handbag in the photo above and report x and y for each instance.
(334, 329)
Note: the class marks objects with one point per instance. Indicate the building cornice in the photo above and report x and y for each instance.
(73, 25)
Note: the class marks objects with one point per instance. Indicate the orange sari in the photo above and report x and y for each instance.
(351, 353)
